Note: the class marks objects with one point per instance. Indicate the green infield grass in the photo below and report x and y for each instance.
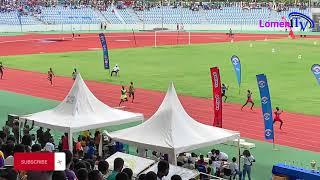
(292, 85)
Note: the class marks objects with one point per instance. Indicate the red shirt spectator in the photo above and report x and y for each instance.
(65, 144)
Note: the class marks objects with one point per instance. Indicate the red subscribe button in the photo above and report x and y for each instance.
(42, 161)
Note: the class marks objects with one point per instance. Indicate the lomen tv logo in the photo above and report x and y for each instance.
(296, 20)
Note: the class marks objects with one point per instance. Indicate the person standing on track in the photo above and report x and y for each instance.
(1, 70)
(230, 33)
(50, 76)
(123, 97)
(224, 88)
(131, 91)
(74, 74)
(277, 118)
(249, 100)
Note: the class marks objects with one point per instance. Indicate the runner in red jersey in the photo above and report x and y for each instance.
(277, 118)
(249, 100)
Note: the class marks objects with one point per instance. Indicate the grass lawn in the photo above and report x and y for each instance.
(12, 103)
(265, 156)
(11, 33)
(292, 85)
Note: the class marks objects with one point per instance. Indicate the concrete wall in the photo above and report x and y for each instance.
(96, 27)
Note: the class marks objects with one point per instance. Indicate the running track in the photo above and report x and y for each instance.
(299, 131)
(50, 43)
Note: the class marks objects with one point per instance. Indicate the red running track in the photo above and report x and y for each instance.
(299, 131)
(54, 43)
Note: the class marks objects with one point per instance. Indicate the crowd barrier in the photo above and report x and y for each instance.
(126, 27)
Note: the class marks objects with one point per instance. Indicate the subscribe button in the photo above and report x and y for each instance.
(42, 161)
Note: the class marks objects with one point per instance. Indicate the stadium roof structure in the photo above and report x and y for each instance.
(171, 130)
(79, 111)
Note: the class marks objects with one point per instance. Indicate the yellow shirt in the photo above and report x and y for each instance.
(86, 133)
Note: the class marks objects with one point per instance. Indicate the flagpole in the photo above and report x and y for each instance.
(134, 37)
(178, 37)
(273, 144)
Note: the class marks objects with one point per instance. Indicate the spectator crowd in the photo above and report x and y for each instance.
(84, 163)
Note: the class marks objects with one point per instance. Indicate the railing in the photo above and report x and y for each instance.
(212, 177)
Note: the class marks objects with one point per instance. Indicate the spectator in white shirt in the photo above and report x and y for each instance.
(221, 156)
(235, 169)
(211, 153)
(248, 159)
(115, 70)
(193, 158)
(181, 159)
(155, 156)
(49, 146)
(189, 164)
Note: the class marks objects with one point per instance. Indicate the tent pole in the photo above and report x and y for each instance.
(239, 153)
(19, 139)
(174, 158)
(70, 142)
(100, 146)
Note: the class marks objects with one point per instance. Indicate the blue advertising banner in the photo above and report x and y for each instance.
(266, 106)
(105, 51)
(237, 67)
(316, 71)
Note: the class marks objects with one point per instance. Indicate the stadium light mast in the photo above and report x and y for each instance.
(143, 18)
(181, 9)
(162, 14)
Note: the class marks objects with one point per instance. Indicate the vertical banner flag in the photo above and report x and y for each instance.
(266, 106)
(316, 71)
(237, 67)
(105, 50)
(217, 100)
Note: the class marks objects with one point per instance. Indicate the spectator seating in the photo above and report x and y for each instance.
(171, 16)
(111, 16)
(11, 18)
(155, 15)
(68, 15)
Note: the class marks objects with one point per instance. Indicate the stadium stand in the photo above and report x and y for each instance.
(129, 16)
(171, 16)
(111, 16)
(67, 15)
(11, 18)
(119, 13)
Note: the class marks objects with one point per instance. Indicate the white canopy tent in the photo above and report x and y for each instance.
(171, 130)
(79, 111)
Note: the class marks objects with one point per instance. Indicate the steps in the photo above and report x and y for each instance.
(101, 16)
(134, 15)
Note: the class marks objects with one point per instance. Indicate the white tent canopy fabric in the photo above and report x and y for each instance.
(171, 130)
(81, 110)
